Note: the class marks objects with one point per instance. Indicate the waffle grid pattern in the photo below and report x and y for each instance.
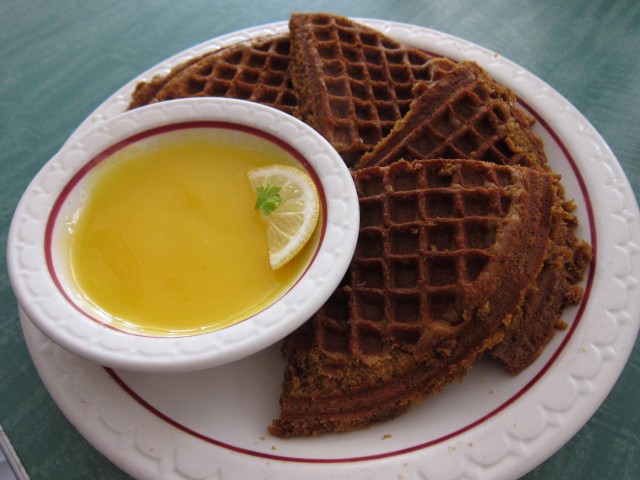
(461, 114)
(368, 80)
(425, 231)
(257, 71)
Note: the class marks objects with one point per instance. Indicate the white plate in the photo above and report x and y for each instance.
(212, 424)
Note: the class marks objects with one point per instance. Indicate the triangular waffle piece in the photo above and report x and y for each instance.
(446, 251)
(353, 83)
(255, 70)
(461, 113)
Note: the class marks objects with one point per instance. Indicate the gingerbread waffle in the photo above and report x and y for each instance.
(461, 113)
(353, 83)
(446, 251)
(255, 70)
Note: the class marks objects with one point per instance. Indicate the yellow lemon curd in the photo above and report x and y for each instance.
(168, 241)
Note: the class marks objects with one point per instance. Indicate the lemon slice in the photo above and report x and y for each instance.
(291, 223)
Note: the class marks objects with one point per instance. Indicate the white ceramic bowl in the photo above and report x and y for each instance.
(49, 296)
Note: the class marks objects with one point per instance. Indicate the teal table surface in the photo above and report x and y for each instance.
(60, 60)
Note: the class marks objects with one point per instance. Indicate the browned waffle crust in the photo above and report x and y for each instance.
(254, 70)
(353, 83)
(446, 251)
(460, 113)
(536, 321)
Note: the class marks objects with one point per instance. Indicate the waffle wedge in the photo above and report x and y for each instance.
(463, 113)
(353, 82)
(447, 250)
(256, 70)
